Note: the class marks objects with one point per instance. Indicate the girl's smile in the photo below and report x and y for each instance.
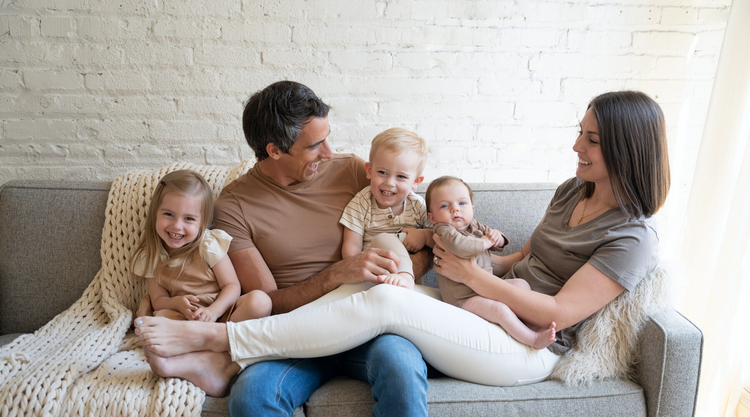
(178, 220)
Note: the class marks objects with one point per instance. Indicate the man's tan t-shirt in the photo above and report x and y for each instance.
(295, 228)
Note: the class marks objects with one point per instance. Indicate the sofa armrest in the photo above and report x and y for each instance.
(668, 370)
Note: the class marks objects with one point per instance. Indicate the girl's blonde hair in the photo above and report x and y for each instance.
(187, 183)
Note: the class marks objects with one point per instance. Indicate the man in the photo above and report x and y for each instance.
(283, 216)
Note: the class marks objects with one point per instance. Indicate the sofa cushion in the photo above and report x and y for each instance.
(615, 397)
(51, 233)
(7, 338)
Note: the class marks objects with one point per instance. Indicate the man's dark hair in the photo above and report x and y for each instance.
(277, 115)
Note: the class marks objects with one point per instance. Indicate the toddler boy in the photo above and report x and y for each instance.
(388, 212)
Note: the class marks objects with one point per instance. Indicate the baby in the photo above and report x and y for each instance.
(388, 214)
(450, 204)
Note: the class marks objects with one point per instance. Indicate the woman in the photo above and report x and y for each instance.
(595, 241)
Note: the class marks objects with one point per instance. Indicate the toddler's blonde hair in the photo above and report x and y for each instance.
(399, 140)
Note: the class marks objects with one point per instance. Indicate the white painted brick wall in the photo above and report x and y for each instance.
(89, 89)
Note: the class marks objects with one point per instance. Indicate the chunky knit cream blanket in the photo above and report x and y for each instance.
(86, 361)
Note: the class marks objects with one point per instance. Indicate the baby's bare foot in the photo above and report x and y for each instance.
(545, 337)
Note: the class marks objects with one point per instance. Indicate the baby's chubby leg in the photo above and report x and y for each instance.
(170, 314)
(499, 313)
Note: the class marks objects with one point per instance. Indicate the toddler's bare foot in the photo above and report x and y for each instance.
(401, 279)
(545, 337)
(167, 338)
(209, 371)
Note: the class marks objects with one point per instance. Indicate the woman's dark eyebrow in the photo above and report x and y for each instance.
(588, 131)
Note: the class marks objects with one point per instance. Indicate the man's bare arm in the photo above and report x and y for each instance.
(421, 263)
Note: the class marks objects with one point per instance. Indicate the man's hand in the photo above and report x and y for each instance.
(421, 263)
(364, 267)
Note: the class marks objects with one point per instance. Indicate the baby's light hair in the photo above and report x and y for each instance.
(398, 140)
(187, 183)
(440, 182)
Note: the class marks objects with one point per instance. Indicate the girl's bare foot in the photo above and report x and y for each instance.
(167, 338)
(209, 371)
(545, 337)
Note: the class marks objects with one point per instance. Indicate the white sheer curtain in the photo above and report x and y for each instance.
(716, 242)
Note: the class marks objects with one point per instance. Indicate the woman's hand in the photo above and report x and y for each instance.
(455, 268)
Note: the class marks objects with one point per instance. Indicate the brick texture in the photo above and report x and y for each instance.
(89, 89)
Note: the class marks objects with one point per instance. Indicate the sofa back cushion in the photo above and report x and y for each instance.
(50, 238)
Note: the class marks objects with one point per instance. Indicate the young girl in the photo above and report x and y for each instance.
(185, 265)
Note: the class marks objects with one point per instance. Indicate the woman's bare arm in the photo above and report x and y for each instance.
(586, 291)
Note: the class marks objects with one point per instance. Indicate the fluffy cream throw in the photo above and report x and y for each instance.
(85, 361)
(608, 340)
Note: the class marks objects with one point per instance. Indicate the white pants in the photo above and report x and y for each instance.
(457, 343)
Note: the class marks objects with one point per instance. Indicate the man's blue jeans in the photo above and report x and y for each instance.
(390, 364)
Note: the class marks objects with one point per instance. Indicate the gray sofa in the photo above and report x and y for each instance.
(53, 229)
